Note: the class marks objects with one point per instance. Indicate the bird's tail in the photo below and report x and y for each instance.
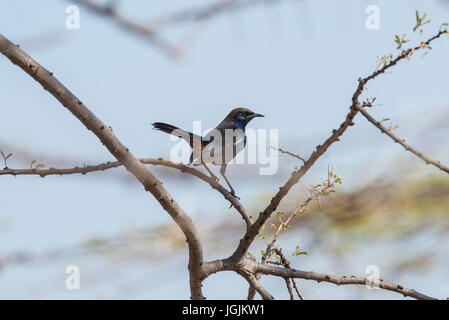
(186, 135)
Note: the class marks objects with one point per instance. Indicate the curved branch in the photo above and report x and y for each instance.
(402, 142)
(126, 24)
(156, 162)
(119, 151)
(321, 277)
(255, 284)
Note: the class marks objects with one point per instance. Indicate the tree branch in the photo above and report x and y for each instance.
(321, 277)
(156, 162)
(252, 232)
(202, 13)
(255, 284)
(237, 262)
(402, 142)
(119, 151)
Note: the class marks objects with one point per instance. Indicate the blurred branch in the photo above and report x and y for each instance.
(402, 142)
(147, 33)
(150, 31)
(207, 12)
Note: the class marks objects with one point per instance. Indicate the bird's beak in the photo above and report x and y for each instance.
(255, 115)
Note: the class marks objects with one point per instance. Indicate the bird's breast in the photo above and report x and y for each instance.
(223, 148)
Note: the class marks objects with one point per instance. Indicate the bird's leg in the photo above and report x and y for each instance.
(223, 171)
(213, 176)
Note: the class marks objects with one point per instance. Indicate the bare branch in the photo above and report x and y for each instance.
(289, 288)
(300, 208)
(402, 142)
(286, 264)
(156, 162)
(321, 277)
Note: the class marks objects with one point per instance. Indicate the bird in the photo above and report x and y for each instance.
(220, 145)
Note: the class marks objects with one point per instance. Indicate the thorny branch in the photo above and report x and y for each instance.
(140, 30)
(402, 142)
(156, 162)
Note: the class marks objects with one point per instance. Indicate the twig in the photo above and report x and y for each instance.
(402, 142)
(321, 277)
(156, 162)
(252, 232)
(289, 288)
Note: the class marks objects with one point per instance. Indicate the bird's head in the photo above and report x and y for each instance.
(241, 116)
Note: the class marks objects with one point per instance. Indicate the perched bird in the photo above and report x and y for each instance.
(220, 145)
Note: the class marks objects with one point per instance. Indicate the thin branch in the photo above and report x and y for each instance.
(197, 269)
(286, 264)
(402, 142)
(252, 232)
(120, 152)
(156, 162)
(251, 293)
(321, 277)
(289, 288)
(146, 33)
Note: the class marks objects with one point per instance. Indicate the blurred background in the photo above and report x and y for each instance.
(295, 61)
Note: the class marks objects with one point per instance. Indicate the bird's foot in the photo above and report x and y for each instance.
(234, 195)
